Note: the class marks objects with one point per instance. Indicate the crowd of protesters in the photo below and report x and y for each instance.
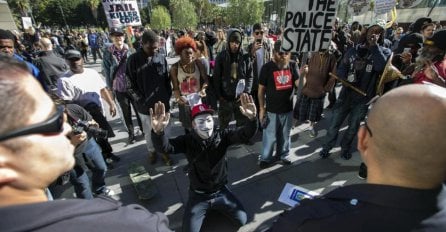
(243, 74)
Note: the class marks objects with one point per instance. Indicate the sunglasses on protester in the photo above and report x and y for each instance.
(258, 32)
(52, 125)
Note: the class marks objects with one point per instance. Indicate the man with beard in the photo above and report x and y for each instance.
(276, 84)
(205, 150)
(431, 64)
(361, 66)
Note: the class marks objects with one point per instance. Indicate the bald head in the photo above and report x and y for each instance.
(408, 127)
(46, 44)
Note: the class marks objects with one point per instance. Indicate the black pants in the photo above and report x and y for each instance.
(126, 102)
(96, 113)
(332, 96)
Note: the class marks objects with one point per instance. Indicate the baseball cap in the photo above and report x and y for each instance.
(437, 40)
(72, 54)
(201, 109)
(116, 31)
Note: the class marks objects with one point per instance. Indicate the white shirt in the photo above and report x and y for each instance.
(81, 88)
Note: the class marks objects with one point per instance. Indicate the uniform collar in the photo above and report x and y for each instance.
(389, 196)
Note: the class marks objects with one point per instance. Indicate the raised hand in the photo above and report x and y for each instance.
(159, 117)
(247, 107)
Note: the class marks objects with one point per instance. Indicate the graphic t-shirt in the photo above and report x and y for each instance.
(189, 82)
(279, 87)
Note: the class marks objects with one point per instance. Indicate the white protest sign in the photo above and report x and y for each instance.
(27, 22)
(384, 6)
(358, 7)
(308, 25)
(292, 195)
(122, 13)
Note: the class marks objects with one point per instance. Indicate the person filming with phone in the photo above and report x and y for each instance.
(260, 52)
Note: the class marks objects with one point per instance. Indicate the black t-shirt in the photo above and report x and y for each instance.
(279, 86)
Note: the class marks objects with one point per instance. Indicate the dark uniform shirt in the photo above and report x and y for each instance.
(362, 207)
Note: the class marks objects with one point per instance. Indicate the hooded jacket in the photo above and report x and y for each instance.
(224, 84)
(148, 82)
(206, 158)
(98, 214)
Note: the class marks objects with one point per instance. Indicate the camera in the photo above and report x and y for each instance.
(81, 126)
(258, 40)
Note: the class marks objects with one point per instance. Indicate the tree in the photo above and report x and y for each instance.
(160, 18)
(20, 6)
(245, 12)
(203, 9)
(93, 5)
(183, 14)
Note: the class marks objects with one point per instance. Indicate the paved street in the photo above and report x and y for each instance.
(257, 189)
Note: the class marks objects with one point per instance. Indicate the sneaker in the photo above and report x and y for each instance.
(167, 160)
(362, 174)
(324, 154)
(114, 157)
(313, 132)
(285, 161)
(264, 164)
(153, 157)
(131, 139)
(346, 155)
(106, 192)
(109, 166)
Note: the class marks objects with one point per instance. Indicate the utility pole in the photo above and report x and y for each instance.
(63, 15)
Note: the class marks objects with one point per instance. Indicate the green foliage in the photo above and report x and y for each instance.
(244, 12)
(160, 18)
(204, 10)
(20, 7)
(58, 13)
(183, 14)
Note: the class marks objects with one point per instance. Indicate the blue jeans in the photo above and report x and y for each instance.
(96, 163)
(342, 109)
(277, 132)
(224, 201)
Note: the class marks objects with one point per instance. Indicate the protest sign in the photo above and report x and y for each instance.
(27, 22)
(122, 13)
(292, 195)
(308, 25)
(384, 6)
(358, 7)
(409, 3)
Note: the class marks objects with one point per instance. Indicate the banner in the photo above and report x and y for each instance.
(409, 3)
(27, 22)
(122, 13)
(384, 6)
(358, 7)
(308, 25)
